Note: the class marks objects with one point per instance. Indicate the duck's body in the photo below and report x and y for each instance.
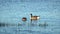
(24, 19)
(34, 17)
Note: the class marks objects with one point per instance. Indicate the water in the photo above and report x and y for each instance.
(53, 28)
(12, 12)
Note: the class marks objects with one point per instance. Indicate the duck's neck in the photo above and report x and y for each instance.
(31, 15)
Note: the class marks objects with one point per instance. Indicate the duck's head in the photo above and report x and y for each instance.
(31, 14)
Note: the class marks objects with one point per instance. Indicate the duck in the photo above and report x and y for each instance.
(34, 17)
(24, 19)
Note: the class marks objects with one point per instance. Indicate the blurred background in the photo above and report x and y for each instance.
(12, 12)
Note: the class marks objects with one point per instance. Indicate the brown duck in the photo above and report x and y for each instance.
(34, 17)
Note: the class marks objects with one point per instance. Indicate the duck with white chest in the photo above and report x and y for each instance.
(34, 17)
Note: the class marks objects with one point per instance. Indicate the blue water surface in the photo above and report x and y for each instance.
(12, 12)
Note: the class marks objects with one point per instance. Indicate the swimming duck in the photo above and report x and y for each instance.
(24, 19)
(34, 17)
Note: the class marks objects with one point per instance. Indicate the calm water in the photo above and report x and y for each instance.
(52, 28)
(12, 12)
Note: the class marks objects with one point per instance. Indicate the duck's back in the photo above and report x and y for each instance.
(34, 17)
